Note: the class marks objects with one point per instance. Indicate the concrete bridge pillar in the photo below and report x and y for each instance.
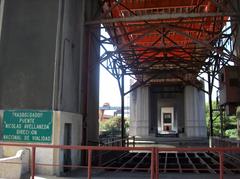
(49, 62)
(194, 110)
(139, 112)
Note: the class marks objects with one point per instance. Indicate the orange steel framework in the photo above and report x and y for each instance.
(154, 167)
(168, 42)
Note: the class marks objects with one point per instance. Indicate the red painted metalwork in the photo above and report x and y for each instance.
(154, 155)
(89, 164)
(202, 29)
(179, 38)
(33, 162)
(157, 164)
(221, 162)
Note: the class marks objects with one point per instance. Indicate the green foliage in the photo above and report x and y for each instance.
(232, 133)
(229, 122)
(112, 126)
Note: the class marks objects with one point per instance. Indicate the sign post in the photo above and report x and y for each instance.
(27, 126)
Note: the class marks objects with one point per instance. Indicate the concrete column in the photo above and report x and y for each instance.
(1, 15)
(91, 73)
(139, 112)
(46, 53)
(235, 6)
(27, 54)
(189, 111)
(133, 104)
(194, 112)
(202, 114)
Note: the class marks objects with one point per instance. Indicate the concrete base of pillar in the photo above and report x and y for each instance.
(51, 156)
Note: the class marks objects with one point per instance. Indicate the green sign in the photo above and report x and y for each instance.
(27, 126)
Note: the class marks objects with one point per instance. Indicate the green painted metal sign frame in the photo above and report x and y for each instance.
(31, 126)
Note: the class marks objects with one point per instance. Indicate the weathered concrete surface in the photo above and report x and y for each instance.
(139, 112)
(15, 166)
(1, 15)
(27, 54)
(49, 61)
(51, 156)
(194, 107)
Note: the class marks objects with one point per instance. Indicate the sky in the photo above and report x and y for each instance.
(109, 91)
(108, 88)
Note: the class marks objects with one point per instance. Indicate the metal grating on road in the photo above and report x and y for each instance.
(184, 162)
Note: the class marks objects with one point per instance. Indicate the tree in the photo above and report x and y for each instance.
(112, 126)
(229, 122)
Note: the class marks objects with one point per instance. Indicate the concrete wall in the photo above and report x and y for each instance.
(76, 82)
(139, 112)
(27, 53)
(67, 66)
(39, 55)
(234, 5)
(55, 156)
(1, 15)
(194, 110)
(49, 60)
(76, 135)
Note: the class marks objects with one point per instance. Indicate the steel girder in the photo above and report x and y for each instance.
(145, 63)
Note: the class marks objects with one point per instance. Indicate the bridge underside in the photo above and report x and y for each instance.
(168, 43)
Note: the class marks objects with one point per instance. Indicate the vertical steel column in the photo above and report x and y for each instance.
(89, 163)
(153, 164)
(221, 164)
(122, 112)
(33, 162)
(210, 107)
(157, 164)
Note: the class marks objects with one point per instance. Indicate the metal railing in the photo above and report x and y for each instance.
(117, 141)
(225, 142)
(153, 151)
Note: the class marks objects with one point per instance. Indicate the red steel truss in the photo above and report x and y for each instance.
(170, 41)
